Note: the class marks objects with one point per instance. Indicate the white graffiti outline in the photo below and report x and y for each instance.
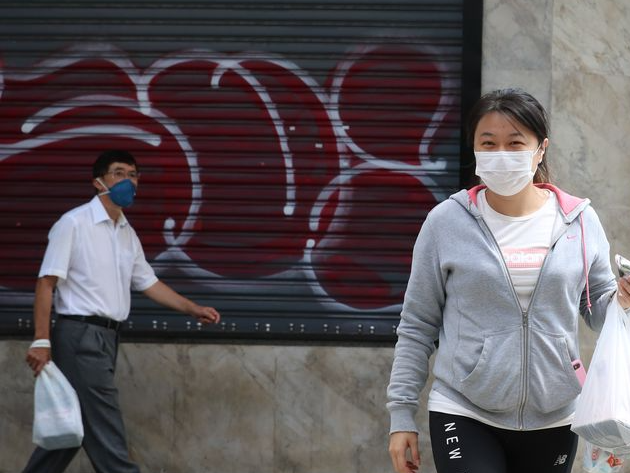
(224, 64)
(338, 184)
(426, 164)
(47, 113)
(330, 102)
(421, 171)
(119, 58)
(132, 132)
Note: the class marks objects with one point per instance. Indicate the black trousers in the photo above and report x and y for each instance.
(86, 354)
(464, 445)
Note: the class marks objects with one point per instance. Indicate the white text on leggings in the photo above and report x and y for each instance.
(455, 453)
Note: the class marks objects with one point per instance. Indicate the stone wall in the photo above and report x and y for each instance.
(275, 409)
(228, 408)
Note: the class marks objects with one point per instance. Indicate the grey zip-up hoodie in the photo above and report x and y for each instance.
(512, 367)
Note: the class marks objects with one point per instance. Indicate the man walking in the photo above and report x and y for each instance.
(93, 260)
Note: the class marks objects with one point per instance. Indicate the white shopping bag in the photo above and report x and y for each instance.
(597, 460)
(57, 422)
(602, 415)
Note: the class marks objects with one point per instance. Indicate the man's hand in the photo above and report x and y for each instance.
(38, 356)
(37, 359)
(399, 443)
(205, 315)
(163, 294)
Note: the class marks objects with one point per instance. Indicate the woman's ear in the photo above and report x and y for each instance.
(543, 148)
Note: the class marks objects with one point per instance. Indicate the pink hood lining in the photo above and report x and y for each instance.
(568, 204)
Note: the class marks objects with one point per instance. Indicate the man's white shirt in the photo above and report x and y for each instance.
(97, 262)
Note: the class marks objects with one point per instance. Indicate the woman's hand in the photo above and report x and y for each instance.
(399, 444)
(623, 291)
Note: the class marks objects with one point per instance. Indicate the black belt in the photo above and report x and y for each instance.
(94, 320)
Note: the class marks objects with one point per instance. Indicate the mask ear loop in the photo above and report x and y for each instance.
(98, 179)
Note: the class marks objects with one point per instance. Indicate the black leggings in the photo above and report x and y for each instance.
(464, 445)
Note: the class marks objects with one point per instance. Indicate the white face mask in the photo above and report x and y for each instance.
(505, 172)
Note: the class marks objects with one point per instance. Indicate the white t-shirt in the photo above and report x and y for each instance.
(524, 242)
(97, 263)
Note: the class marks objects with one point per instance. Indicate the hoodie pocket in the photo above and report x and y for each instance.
(495, 382)
(553, 383)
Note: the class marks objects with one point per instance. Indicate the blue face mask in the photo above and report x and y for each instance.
(121, 193)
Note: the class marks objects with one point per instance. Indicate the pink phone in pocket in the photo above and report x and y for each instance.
(580, 371)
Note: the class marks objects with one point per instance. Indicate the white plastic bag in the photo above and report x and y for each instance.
(57, 422)
(597, 460)
(602, 415)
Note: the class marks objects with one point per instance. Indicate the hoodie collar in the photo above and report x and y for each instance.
(570, 205)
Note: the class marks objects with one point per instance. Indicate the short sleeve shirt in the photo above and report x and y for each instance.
(97, 262)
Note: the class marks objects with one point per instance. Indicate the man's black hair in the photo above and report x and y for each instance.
(106, 158)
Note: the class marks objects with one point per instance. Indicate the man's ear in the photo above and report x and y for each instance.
(99, 185)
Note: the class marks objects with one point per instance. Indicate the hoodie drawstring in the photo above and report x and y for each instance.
(588, 293)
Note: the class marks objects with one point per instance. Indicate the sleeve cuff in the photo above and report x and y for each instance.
(146, 285)
(52, 272)
(402, 420)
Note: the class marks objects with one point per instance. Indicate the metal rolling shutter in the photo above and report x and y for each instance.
(289, 150)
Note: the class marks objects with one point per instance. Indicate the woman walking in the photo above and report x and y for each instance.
(499, 276)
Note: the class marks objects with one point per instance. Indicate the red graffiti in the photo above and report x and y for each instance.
(251, 171)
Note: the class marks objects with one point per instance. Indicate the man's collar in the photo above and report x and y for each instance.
(99, 213)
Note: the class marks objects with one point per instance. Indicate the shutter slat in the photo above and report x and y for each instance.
(289, 151)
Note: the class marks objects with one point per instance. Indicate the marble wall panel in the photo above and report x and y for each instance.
(590, 108)
(592, 36)
(590, 146)
(517, 46)
(263, 408)
(229, 408)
